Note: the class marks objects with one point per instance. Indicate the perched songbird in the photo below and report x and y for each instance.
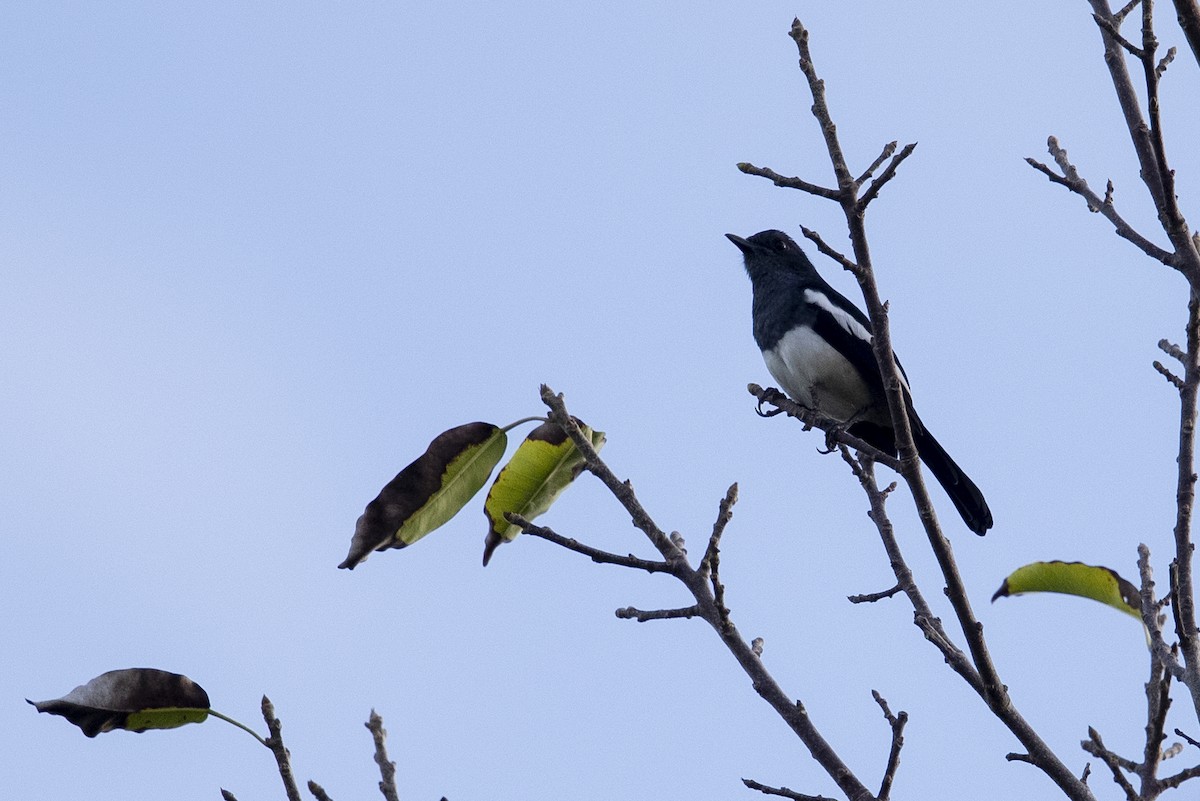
(817, 345)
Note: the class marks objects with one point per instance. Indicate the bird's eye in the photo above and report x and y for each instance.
(783, 245)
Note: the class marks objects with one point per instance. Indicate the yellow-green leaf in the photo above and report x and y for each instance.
(1074, 578)
(135, 699)
(429, 491)
(538, 473)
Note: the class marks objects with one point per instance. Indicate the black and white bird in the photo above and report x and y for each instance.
(817, 345)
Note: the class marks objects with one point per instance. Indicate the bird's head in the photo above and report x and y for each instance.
(770, 252)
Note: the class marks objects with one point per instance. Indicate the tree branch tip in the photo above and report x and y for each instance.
(1179, 733)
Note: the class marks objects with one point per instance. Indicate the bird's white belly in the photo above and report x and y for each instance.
(815, 375)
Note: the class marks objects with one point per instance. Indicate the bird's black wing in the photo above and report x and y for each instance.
(843, 325)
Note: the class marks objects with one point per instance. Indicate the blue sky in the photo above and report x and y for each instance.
(257, 256)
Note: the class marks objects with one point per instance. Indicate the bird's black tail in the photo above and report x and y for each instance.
(965, 496)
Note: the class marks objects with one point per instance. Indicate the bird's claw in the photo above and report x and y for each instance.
(769, 413)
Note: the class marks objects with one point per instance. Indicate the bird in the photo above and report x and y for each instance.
(817, 345)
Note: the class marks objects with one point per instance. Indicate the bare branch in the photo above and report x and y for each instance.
(1174, 380)
(1188, 14)
(724, 515)
(595, 554)
(1172, 350)
(1095, 746)
(1179, 778)
(275, 743)
(1183, 590)
(1119, 16)
(872, 597)
(1151, 611)
(387, 768)
(641, 616)
(923, 616)
(1147, 136)
(782, 792)
(813, 419)
(1179, 733)
(318, 791)
(889, 173)
(1158, 701)
(789, 183)
(897, 722)
(1104, 206)
(820, 110)
(622, 490)
(1164, 63)
(888, 150)
(824, 247)
(228, 796)
(1110, 27)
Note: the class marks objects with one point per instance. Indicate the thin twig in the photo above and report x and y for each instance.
(1179, 733)
(1104, 206)
(1173, 379)
(1111, 28)
(228, 796)
(897, 722)
(282, 757)
(888, 150)
(1095, 746)
(829, 251)
(1119, 16)
(642, 615)
(789, 183)
(318, 791)
(1179, 778)
(1151, 610)
(622, 490)
(1183, 590)
(923, 616)
(595, 554)
(872, 597)
(1174, 351)
(1147, 135)
(1158, 702)
(724, 515)
(710, 565)
(387, 768)
(783, 792)
(888, 174)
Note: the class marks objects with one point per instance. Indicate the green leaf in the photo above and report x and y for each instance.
(429, 491)
(538, 473)
(1074, 578)
(135, 699)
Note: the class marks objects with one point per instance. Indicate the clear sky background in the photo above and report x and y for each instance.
(255, 256)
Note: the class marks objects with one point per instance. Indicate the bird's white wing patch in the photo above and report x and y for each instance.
(846, 321)
(843, 317)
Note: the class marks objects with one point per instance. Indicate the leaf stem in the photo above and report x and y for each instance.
(240, 725)
(522, 421)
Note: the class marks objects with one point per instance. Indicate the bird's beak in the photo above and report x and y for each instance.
(743, 244)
